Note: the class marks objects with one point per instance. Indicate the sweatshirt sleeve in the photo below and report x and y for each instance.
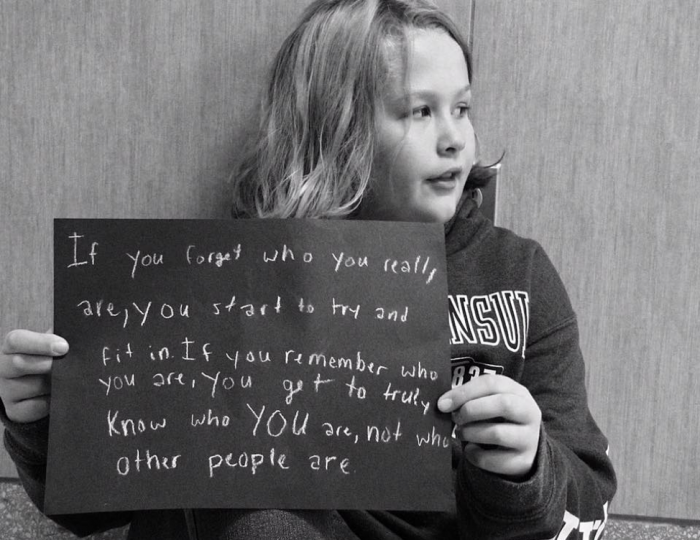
(567, 494)
(27, 446)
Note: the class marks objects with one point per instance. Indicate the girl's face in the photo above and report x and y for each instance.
(425, 140)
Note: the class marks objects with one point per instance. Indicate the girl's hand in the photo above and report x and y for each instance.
(25, 373)
(500, 422)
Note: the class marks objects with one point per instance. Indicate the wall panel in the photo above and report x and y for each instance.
(598, 106)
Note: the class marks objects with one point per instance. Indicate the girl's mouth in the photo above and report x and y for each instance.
(448, 176)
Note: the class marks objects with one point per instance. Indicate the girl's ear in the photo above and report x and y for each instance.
(478, 197)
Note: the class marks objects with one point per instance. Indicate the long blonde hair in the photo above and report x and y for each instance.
(312, 155)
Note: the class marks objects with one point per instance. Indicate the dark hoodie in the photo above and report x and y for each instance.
(510, 315)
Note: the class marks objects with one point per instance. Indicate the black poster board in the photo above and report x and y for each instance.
(249, 364)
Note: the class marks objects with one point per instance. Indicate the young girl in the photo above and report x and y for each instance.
(367, 117)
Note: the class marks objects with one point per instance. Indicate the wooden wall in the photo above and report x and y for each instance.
(597, 103)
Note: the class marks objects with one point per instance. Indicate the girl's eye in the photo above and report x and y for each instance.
(421, 112)
(463, 109)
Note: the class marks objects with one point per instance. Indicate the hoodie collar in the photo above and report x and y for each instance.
(464, 225)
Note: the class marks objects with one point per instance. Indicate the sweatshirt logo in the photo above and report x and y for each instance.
(465, 368)
(500, 318)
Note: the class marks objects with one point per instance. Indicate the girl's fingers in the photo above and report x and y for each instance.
(478, 387)
(25, 367)
(499, 420)
(20, 365)
(29, 353)
(20, 389)
(504, 435)
(34, 343)
(509, 407)
(28, 410)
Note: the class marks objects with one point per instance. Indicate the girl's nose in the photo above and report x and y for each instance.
(451, 140)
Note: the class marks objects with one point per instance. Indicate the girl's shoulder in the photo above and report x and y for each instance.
(471, 233)
(496, 258)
